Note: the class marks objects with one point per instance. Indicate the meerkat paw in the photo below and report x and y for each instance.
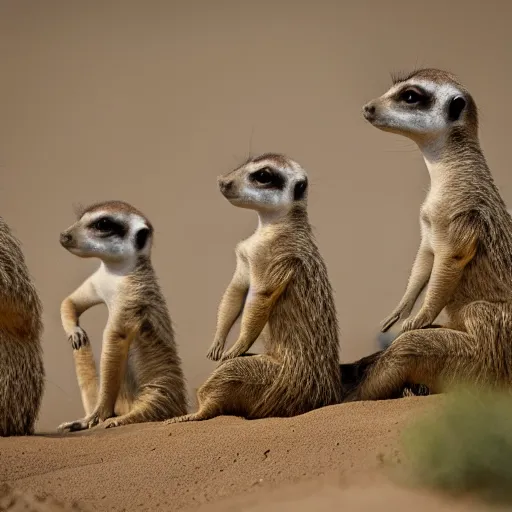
(79, 338)
(401, 312)
(215, 352)
(409, 325)
(73, 426)
(112, 423)
(230, 354)
(417, 322)
(95, 418)
(389, 322)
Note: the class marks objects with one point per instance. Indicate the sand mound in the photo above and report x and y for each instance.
(184, 466)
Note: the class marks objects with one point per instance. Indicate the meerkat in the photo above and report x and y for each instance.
(140, 370)
(281, 289)
(22, 373)
(464, 258)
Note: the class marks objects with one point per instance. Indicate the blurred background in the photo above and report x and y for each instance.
(149, 101)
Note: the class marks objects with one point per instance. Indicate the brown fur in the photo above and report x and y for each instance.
(141, 375)
(281, 288)
(469, 273)
(112, 206)
(21, 363)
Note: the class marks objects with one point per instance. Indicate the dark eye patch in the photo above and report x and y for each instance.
(268, 178)
(414, 96)
(106, 226)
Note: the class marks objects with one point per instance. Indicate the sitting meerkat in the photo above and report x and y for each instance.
(464, 258)
(141, 377)
(281, 286)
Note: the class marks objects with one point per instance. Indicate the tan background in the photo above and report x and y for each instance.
(150, 101)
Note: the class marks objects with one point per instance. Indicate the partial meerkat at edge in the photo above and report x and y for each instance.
(140, 374)
(22, 374)
(465, 255)
(281, 289)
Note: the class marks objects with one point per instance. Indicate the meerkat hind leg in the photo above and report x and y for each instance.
(433, 358)
(89, 386)
(150, 405)
(234, 388)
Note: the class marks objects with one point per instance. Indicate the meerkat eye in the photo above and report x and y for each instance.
(106, 227)
(263, 176)
(411, 96)
(104, 224)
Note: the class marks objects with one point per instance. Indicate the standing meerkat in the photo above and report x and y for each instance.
(140, 373)
(465, 254)
(281, 287)
(22, 372)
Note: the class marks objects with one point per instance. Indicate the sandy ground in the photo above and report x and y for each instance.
(325, 459)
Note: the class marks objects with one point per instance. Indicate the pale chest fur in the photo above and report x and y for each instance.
(251, 256)
(434, 213)
(108, 286)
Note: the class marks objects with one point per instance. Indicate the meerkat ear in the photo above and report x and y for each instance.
(456, 107)
(299, 190)
(141, 237)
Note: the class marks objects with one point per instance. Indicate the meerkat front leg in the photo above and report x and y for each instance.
(83, 298)
(449, 263)
(230, 307)
(419, 276)
(258, 305)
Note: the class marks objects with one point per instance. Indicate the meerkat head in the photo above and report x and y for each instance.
(113, 231)
(424, 105)
(267, 183)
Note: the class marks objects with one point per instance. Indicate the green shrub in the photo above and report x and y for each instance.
(465, 446)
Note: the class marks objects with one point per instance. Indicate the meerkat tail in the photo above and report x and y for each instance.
(201, 415)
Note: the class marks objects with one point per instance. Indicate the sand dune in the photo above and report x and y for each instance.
(329, 457)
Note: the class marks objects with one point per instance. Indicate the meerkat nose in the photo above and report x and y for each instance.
(369, 110)
(65, 238)
(225, 186)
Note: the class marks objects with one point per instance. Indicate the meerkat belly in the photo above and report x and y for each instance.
(150, 360)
